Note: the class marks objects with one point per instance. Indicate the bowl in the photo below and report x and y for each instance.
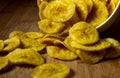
(110, 20)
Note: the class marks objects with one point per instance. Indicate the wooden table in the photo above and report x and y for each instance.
(23, 15)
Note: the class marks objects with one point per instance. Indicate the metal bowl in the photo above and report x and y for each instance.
(110, 20)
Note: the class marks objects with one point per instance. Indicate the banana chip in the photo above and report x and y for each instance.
(51, 70)
(25, 56)
(84, 33)
(91, 57)
(34, 44)
(98, 14)
(16, 33)
(100, 45)
(42, 7)
(60, 53)
(34, 35)
(11, 43)
(114, 50)
(81, 8)
(89, 5)
(3, 62)
(49, 26)
(59, 11)
(1, 45)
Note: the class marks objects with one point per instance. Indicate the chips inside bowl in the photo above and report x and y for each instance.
(110, 20)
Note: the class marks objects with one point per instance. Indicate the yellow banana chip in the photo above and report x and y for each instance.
(89, 5)
(38, 2)
(16, 33)
(49, 26)
(11, 43)
(98, 14)
(35, 44)
(114, 50)
(42, 7)
(51, 70)
(60, 53)
(59, 11)
(3, 62)
(34, 35)
(25, 56)
(100, 45)
(84, 33)
(105, 1)
(91, 57)
(1, 45)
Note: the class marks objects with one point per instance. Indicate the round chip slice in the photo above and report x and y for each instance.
(84, 33)
(51, 70)
(49, 26)
(1, 45)
(16, 33)
(59, 11)
(3, 62)
(25, 56)
(61, 53)
(91, 57)
(98, 14)
(89, 5)
(100, 45)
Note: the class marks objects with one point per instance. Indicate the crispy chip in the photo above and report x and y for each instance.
(25, 56)
(60, 53)
(84, 33)
(59, 11)
(1, 45)
(11, 43)
(49, 26)
(51, 70)
(16, 33)
(3, 62)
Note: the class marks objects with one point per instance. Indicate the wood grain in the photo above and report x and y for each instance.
(23, 15)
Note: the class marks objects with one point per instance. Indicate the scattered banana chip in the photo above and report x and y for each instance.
(100, 45)
(91, 57)
(3, 62)
(34, 35)
(16, 33)
(59, 11)
(89, 5)
(49, 26)
(25, 56)
(51, 70)
(98, 14)
(1, 45)
(60, 53)
(34, 44)
(84, 33)
(11, 43)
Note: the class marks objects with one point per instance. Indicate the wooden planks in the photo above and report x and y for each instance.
(23, 15)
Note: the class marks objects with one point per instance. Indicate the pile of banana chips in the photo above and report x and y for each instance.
(67, 32)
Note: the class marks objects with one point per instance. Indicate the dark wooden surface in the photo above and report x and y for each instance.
(23, 15)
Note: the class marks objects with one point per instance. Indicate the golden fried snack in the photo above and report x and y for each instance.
(25, 56)
(34, 35)
(50, 27)
(11, 43)
(34, 44)
(59, 11)
(38, 2)
(91, 57)
(61, 53)
(42, 7)
(100, 45)
(1, 45)
(3, 62)
(112, 5)
(89, 5)
(105, 1)
(51, 70)
(84, 33)
(114, 50)
(16, 33)
(98, 14)
(81, 8)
